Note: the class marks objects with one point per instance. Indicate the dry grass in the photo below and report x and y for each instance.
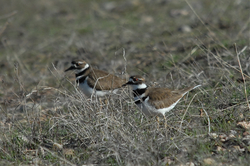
(47, 120)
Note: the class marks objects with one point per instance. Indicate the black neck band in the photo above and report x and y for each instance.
(82, 72)
(141, 100)
(82, 79)
(139, 92)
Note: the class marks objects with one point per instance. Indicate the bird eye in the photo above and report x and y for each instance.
(78, 63)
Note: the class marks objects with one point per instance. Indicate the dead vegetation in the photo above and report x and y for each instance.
(47, 120)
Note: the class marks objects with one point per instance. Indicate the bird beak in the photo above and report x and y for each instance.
(124, 84)
(128, 83)
(70, 68)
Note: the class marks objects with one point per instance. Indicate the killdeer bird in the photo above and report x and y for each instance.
(93, 81)
(155, 101)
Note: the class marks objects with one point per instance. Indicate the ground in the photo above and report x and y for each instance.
(46, 120)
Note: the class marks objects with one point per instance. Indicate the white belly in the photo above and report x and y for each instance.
(150, 110)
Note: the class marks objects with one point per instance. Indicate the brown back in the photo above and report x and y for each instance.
(164, 97)
(103, 80)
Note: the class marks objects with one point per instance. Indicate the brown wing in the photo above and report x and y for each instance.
(105, 81)
(164, 97)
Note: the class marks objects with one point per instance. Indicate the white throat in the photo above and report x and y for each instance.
(140, 86)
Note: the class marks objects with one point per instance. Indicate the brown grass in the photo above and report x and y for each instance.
(47, 120)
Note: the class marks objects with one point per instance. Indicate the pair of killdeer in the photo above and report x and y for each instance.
(152, 101)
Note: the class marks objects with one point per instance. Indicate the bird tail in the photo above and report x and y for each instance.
(184, 91)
